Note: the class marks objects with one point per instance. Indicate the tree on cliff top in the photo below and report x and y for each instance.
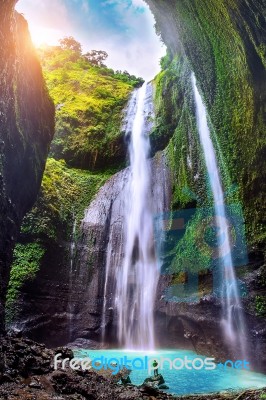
(69, 43)
(96, 57)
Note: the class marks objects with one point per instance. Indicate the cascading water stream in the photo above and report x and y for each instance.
(71, 275)
(107, 271)
(137, 277)
(232, 319)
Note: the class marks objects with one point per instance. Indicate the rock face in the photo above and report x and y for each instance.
(26, 129)
(223, 43)
(76, 302)
(56, 308)
(70, 297)
(27, 371)
(102, 252)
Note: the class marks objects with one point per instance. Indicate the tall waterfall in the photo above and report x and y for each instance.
(232, 318)
(137, 277)
(71, 275)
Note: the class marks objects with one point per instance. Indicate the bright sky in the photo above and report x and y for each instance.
(123, 28)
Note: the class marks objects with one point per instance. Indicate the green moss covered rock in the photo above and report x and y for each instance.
(89, 101)
(223, 43)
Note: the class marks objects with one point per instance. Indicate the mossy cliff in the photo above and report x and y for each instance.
(47, 231)
(87, 149)
(224, 44)
(89, 100)
(26, 129)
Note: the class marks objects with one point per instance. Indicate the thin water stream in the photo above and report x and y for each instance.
(232, 319)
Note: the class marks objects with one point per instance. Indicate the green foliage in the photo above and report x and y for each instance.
(166, 61)
(89, 102)
(26, 263)
(64, 195)
(168, 101)
(175, 125)
(260, 306)
(69, 43)
(229, 73)
(235, 122)
(193, 253)
(218, 54)
(125, 76)
(96, 57)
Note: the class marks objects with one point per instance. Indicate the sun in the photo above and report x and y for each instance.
(44, 36)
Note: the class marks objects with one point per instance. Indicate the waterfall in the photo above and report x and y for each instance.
(106, 280)
(71, 276)
(137, 276)
(232, 318)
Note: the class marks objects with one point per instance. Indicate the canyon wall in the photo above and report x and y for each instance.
(26, 130)
(223, 43)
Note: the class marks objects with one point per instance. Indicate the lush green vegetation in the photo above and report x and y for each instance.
(175, 114)
(260, 306)
(64, 195)
(231, 90)
(229, 72)
(26, 263)
(175, 119)
(89, 100)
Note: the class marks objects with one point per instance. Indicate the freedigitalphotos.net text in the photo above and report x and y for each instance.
(144, 363)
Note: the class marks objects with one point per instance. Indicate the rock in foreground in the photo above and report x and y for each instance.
(27, 373)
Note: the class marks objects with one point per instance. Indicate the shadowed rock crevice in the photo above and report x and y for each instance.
(26, 130)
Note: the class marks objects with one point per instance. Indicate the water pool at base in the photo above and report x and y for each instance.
(184, 381)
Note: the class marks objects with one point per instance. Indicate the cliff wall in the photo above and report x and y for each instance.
(26, 129)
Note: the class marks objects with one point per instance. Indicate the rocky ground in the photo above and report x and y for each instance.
(27, 373)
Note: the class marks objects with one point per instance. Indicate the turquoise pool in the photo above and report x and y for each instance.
(183, 381)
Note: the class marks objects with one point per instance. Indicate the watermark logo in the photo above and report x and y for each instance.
(193, 240)
(148, 363)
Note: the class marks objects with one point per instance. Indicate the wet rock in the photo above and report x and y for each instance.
(128, 395)
(23, 358)
(31, 376)
(81, 343)
(126, 380)
(163, 387)
(157, 380)
(77, 385)
(15, 332)
(149, 389)
(103, 223)
(65, 352)
(35, 384)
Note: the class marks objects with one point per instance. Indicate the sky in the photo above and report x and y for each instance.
(122, 28)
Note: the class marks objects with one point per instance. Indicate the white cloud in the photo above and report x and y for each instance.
(136, 49)
(41, 12)
(139, 49)
(139, 3)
